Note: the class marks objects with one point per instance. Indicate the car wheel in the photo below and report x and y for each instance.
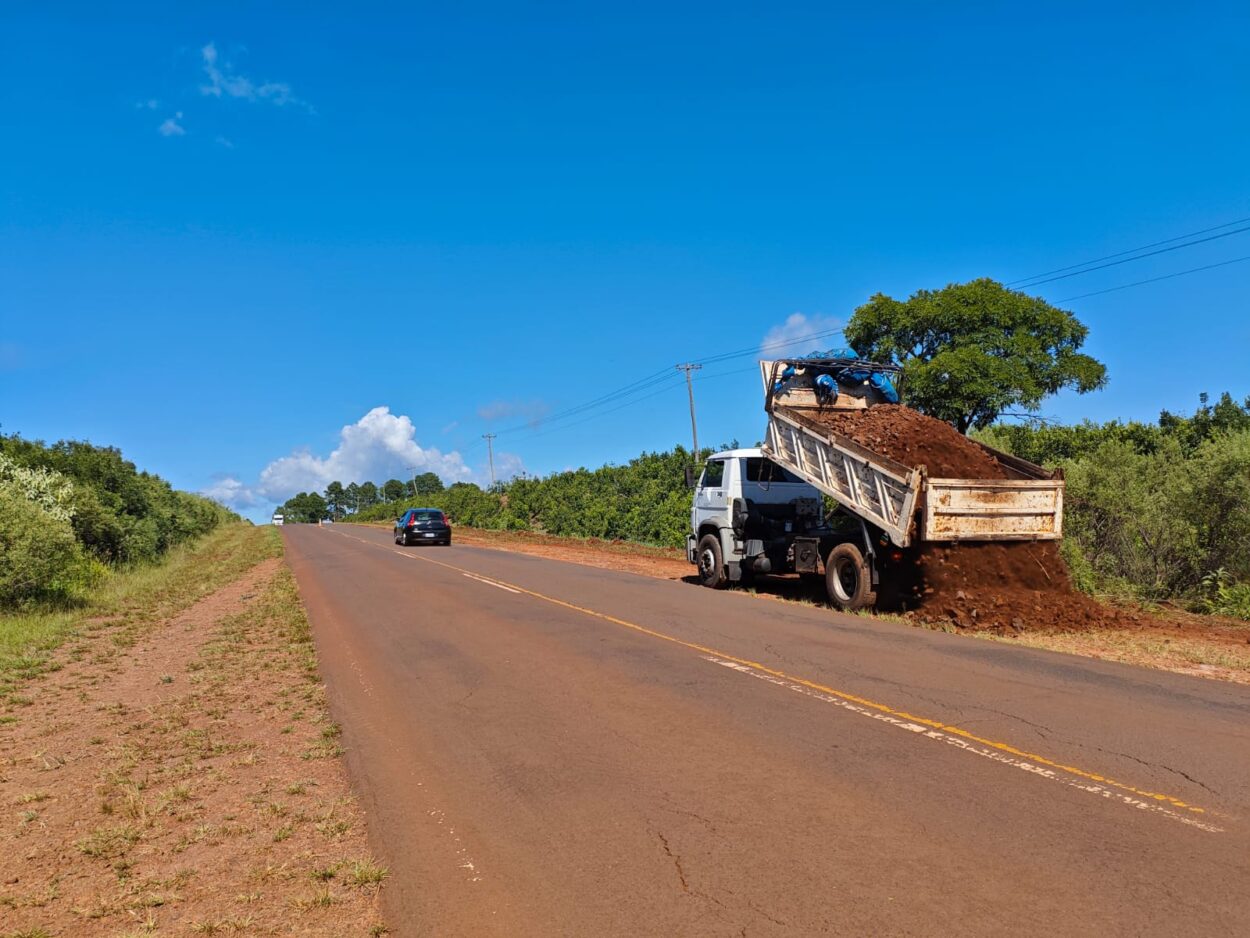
(711, 563)
(848, 580)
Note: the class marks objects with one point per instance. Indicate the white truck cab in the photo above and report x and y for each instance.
(747, 514)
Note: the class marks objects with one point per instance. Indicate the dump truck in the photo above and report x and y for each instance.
(814, 502)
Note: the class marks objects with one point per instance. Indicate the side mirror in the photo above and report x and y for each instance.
(692, 477)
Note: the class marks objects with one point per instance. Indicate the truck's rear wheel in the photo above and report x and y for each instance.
(711, 562)
(848, 581)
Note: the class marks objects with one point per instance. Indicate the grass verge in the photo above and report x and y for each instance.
(132, 599)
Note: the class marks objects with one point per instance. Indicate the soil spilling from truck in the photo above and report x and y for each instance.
(1003, 586)
(914, 439)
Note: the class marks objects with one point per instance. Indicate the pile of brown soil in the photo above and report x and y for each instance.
(1005, 586)
(914, 439)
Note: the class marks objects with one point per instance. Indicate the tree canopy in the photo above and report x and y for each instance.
(427, 483)
(971, 351)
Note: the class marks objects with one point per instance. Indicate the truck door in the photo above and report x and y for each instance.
(710, 503)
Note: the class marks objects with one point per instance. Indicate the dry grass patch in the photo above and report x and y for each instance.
(146, 805)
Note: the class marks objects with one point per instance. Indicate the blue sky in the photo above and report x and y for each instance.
(229, 233)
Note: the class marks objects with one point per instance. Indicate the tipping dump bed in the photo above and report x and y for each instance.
(902, 500)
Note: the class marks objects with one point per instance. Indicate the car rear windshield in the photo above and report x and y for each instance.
(427, 516)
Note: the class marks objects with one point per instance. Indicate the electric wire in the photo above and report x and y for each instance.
(1138, 283)
(663, 380)
(1136, 257)
(1144, 247)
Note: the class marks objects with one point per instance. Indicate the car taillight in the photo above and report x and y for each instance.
(412, 522)
(446, 521)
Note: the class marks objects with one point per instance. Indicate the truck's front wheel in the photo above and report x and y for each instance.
(711, 562)
(848, 581)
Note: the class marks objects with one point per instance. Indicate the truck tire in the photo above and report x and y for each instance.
(848, 581)
(711, 562)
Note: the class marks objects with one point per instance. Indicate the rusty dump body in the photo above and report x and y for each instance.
(847, 449)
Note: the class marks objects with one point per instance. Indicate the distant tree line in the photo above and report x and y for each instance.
(339, 500)
(70, 511)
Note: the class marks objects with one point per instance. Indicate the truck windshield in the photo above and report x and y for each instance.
(759, 469)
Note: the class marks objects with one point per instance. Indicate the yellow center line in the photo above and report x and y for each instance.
(822, 688)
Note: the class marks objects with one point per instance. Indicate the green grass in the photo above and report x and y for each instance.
(131, 599)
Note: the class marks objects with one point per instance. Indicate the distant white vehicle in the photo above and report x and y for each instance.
(277, 518)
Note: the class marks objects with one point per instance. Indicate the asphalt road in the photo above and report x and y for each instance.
(550, 749)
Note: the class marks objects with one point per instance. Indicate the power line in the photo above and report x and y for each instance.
(1144, 247)
(660, 379)
(1136, 257)
(1138, 283)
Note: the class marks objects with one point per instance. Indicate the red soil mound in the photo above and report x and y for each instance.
(1007, 586)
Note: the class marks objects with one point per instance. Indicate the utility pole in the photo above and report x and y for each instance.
(694, 432)
(490, 453)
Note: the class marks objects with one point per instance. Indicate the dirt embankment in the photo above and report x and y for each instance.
(1006, 586)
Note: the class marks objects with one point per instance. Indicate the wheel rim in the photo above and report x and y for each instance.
(707, 562)
(845, 580)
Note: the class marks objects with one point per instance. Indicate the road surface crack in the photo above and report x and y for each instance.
(681, 874)
(1159, 765)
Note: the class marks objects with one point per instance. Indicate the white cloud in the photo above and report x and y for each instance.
(529, 411)
(507, 466)
(800, 334)
(379, 446)
(151, 104)
(223, 82)
(171, 127)
(451, 426)
(232, 493)
(224, 142)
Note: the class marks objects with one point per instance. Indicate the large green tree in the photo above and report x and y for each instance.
(427, 483)
(336, 499)
(971, 351)
(392, 490)
(306, 508)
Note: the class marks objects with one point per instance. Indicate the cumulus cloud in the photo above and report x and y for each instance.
(508, 466)
(171, 127)
(801, 333)
(232, 493)
(224, 82)
(380, 445)
(529, 411)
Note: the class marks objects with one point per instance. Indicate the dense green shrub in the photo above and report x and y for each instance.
(119, 514)
(40, 559)
(71, 508)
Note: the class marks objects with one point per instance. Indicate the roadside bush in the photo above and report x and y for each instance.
(40, 559)
(1226, 597)
(121, 515)
(1161, 524)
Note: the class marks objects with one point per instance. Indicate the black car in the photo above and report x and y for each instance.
(422, 526)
